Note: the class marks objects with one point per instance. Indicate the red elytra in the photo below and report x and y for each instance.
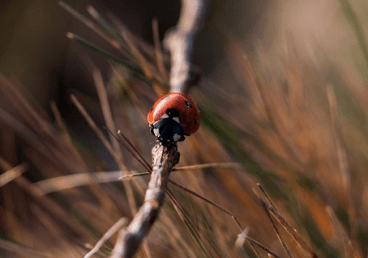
(188, 112)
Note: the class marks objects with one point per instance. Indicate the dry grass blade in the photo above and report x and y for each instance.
(243, 237)
(158, 53)
(95, 128)
(106, 143)
(345, 240)
(254, 242)
(71, 181)
(292, 231)
(250, 240)
(119, 224)
(125, 63)
(130, 239)
(183, 214)
(104, 102)
(254, 250)
(342, 154)
(28, 109)
(47, 149)
(133, 150)
(23, 250)
(55, 208)
(110, 29)
(208, 201)
(12, 174)
(264, 205)
(147, 68)
(66, 137)
(225, 165)
(341, 149)
(89, 24)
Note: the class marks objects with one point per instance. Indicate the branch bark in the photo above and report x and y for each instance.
(164, 159)
(179, 41)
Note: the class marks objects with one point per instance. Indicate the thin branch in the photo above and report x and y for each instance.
(158, 53)
(12, 174)
(283, 222)
(183, 214)
(113, 42)
(180, 44)
(179, 41)
(119, 224)
(264, 205)
(106, 110)
(23, 250)
(108, 146)
(210, 202)
(250, 240)
(61, 183)
(130, 239)
(347, 244)
(126, 63)
(134, 151)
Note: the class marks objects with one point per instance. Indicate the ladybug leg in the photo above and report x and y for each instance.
(151, 129)
(178, 137)
(155, 128)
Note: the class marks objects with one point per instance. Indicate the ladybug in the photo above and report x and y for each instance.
(172, 117)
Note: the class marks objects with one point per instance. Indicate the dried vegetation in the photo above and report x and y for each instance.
(301, 135)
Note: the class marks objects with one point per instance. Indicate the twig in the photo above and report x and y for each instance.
(124, 62)
(158, 53)
(23, 250)
(120, 223)
(342, 154)
(12, 174)
(113, 42)
(254, 242)
(130, 239)
(61, 183)
(357, 27)
(108, 146)
(179, 42)
(209, 201)
(264, 204)
(347, 245)
(289, 229)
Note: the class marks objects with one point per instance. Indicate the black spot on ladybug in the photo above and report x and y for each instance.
(172, 112)
(188, 104)
(166, 98)
(195, 121)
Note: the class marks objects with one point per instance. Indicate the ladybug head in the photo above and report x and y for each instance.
(167, 129)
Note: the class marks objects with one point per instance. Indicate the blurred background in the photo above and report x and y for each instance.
(283, 93)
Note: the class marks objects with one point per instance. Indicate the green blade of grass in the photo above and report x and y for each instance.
(357, 27)
(110, 29)
(105, 54)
